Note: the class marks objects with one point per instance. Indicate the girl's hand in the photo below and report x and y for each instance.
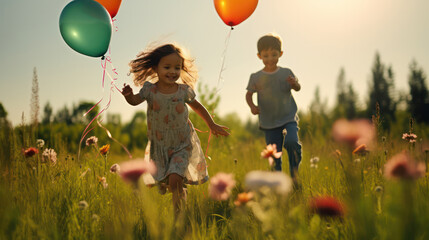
(216, 130)
(127, 90)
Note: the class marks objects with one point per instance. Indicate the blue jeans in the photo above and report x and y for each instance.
(291, 144)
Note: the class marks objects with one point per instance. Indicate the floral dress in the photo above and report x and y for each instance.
(173, 143)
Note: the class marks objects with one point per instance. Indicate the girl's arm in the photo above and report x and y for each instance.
(204, 114)
(133, 99)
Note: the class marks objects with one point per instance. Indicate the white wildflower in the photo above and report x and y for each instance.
(83, 204)
(277, 181)
(40, 143)
(314, 160)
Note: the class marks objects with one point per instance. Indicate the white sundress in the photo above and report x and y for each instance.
(173, 144)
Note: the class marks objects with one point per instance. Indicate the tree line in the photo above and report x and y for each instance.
(383, 102)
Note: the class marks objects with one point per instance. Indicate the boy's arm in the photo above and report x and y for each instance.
(204, 114)
(253, 108)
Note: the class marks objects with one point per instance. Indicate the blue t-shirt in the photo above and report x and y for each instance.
(275, 101)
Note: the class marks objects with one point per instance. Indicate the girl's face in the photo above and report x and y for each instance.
(270, 58)
(169, 69)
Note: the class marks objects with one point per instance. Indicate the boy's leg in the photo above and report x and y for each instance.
(275, 136)
(293, 147)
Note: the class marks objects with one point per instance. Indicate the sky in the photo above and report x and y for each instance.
(319, 38)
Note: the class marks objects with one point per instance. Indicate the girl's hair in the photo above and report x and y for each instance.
(143, 67)
(270, 41)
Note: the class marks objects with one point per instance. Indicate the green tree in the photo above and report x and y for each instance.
(47, 114)
(83, 107)
(351, 102)
(136, 129)
(63, 116)
(381, 89)
(418, 104)
(346, 98)
(3, 112)
(114, 119)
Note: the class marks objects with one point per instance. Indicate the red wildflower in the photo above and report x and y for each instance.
(327, 206)
(31, 151)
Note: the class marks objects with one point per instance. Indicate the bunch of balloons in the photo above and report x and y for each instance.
(86, 25)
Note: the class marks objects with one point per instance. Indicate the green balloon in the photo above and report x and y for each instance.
(85, 26)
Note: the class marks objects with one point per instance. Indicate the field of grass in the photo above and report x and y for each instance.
(69, 199)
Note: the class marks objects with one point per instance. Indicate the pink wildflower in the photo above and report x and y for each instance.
(270, 152)
(115, 168)
(402, 166)
(410, 137)
(31, 151)
(221, 185)
(91, 141)
(354, 132)
(133, 169)
(327, 206)
(49, 154)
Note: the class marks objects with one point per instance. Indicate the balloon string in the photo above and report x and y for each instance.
(104, 71)
(110, 136)
(113, 24)
(208, 141)
(220, 79)
(86, 131)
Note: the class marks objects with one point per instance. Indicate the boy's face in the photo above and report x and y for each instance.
(270, 58)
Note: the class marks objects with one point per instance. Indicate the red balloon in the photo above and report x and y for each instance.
(112, 6)
(233, 12)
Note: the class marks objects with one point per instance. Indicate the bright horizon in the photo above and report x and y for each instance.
(319, 38)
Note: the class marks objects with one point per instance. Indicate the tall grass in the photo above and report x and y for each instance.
(68, 201)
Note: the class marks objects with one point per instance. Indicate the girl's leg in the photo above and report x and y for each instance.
(293, 148)
(175, 182)
(275, 136)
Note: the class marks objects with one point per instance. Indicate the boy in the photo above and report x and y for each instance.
(276, 106)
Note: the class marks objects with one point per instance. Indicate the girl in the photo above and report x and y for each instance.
(173, 143)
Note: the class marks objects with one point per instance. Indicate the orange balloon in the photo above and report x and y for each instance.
(233, 12)
(112, 6)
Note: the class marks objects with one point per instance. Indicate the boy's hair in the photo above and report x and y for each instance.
(143, 67)
(270, 41)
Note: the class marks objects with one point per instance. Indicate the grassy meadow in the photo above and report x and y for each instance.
(71, 200)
